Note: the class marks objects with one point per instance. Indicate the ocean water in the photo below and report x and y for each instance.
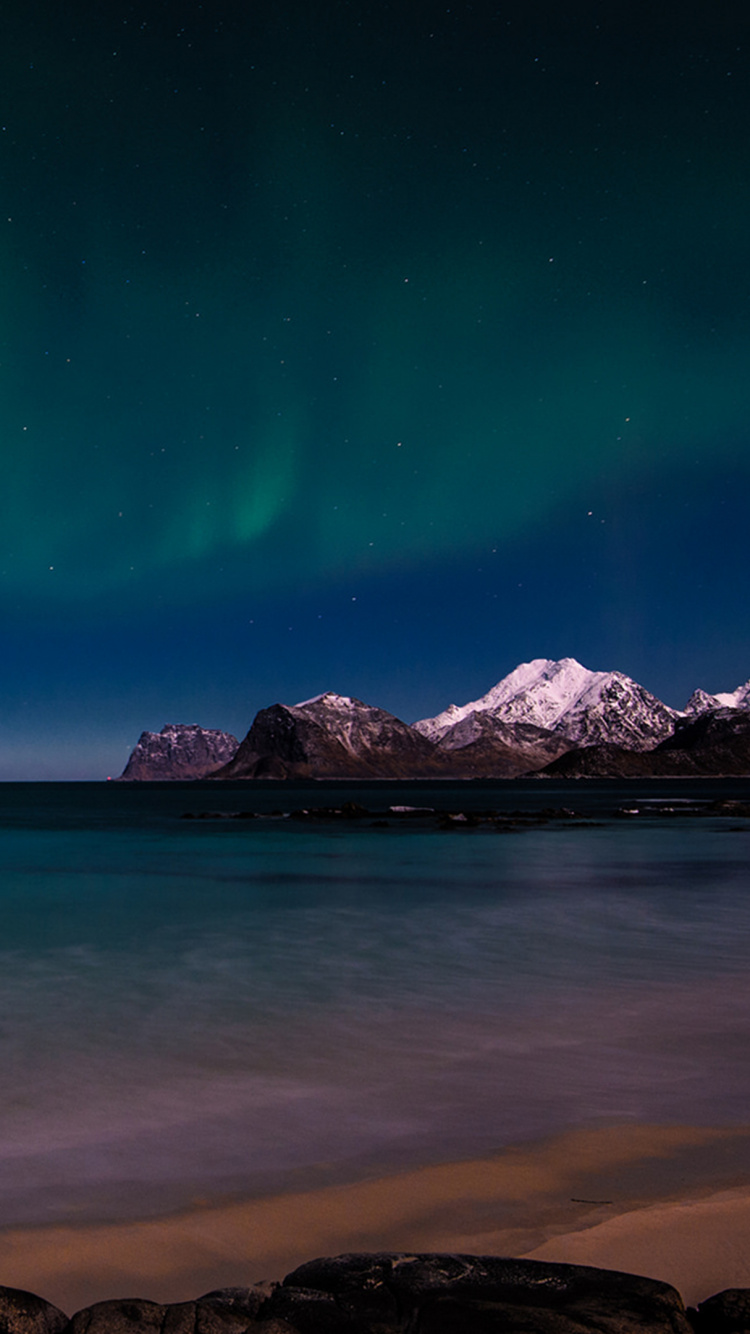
(203, 1009)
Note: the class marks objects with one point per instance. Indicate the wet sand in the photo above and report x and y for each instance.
(671, 1202)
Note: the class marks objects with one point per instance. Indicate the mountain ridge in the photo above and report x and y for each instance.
(533, 721)
(713, 744)
(331, 736)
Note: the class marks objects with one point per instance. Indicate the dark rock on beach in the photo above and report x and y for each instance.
(395, 1293)
(726, 1313)
(467, 1294)
(226, 1311)
(239, 1301)
(122, 1316)
(23, 1313)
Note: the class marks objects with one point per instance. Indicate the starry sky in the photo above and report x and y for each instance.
(374, 347)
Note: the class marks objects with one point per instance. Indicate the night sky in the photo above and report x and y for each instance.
(368, 347)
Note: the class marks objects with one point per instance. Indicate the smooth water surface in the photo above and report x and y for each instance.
(194, 1009)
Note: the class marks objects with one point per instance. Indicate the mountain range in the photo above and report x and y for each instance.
(554, 718)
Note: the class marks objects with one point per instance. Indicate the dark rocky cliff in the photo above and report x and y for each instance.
(484, 747)
(179, 751)
(712, 745)
(292, 742)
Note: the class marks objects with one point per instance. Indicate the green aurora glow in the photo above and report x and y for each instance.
(340, 293)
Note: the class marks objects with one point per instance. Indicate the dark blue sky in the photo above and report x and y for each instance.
(372, 348)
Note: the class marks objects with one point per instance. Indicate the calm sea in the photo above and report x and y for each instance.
(195, 1009)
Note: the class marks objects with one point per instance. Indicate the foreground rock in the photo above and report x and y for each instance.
(394, 1293)
(178, 751)
(726, 1313)
(226, 1311)
(23, 1313)
(467, 1294)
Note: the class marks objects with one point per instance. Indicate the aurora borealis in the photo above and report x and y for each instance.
(372, 348)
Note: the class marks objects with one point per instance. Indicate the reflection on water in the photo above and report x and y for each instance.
(193, 1009)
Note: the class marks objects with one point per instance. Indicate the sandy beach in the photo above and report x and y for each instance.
(671, 1202)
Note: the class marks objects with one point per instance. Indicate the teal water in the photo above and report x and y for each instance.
(202, 1009)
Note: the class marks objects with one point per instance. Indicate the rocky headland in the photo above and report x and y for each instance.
(178, 751)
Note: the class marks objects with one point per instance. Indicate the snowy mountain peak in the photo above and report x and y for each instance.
(701, 702)
(341, 715)
(537, 692)
(563, 697)
(330, 700)
(737, 699)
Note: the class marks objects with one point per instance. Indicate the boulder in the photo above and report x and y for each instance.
(224, 1311)
(23, 1313)
(120, 1316)
(468, 1294)
(400, 1293)
(726, 1313)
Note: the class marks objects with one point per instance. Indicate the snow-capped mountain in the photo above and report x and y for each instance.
(701, 702)
(534, 715)
(583, 707)
(179, 750)
(331, 736)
